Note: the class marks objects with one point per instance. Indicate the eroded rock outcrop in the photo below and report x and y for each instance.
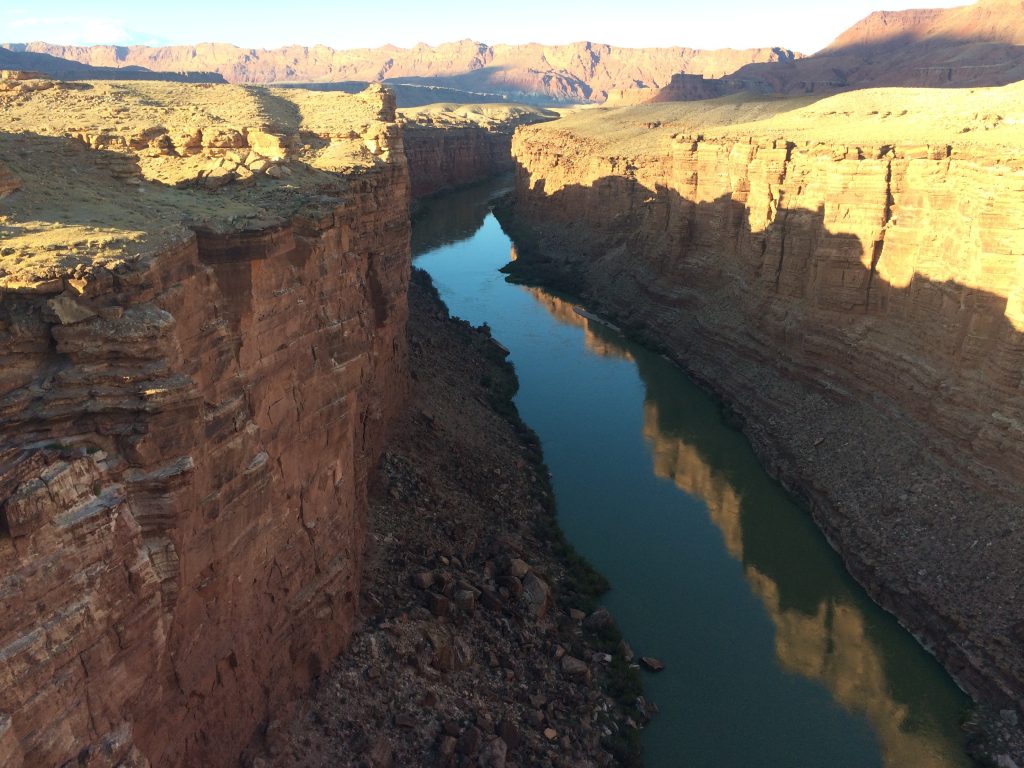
(196, 380)
(859, 305)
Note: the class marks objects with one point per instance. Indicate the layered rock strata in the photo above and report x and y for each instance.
(196, 378)
(861, 306)
(450, 145)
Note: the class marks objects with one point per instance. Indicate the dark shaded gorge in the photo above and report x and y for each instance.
(775, 656)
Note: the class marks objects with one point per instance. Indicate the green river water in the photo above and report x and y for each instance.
(774, 656)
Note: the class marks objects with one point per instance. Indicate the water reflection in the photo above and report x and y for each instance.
(825, 629)
(775, 656)
(454, 216)
(565, 312)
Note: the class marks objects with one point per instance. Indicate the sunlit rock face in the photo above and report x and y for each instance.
(575, 72)
(846, 256)
(195, 384)
(858, 304)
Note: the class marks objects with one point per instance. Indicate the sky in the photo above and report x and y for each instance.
(801, 25)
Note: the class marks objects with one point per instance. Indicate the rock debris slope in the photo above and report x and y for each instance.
(202, 332)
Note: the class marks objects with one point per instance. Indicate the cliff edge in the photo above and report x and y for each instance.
(202, 330)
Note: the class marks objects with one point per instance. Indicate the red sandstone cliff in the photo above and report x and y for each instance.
(195, 382)
(450, 145)
(861, 305)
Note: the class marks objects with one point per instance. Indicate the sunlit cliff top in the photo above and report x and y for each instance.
(101, 174)
(988, 117)
(497, 116)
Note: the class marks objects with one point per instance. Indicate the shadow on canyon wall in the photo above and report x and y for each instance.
(796, 290)
(916, 389)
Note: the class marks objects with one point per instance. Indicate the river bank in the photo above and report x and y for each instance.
(473, 647)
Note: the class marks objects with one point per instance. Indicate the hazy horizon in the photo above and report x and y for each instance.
(800, 25)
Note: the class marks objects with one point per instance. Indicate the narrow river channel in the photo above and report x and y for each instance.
(774, 656)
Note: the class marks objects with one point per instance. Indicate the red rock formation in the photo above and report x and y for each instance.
(576, 72)
(973, 45)
(183, 467)
(861, 308)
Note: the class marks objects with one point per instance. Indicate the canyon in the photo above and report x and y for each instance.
(232, 471)
(847, 278)
(449, 146)
(205, 300)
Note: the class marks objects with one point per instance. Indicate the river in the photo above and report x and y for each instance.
(774, 656)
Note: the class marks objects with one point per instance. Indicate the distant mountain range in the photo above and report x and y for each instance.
(974, 45)
(65, 69)
(577, 72)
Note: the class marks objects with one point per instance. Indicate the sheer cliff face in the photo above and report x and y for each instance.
(861, 306)
(187, 433)
(450, 145)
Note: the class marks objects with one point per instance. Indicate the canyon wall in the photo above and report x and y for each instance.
(189, 411)
(861, 308)
(449, 145)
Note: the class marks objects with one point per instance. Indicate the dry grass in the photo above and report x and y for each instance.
(989, 117)
(95, 191)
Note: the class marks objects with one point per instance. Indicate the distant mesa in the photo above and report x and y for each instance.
(969, 46)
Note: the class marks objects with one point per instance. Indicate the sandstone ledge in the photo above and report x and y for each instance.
(111, 173)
